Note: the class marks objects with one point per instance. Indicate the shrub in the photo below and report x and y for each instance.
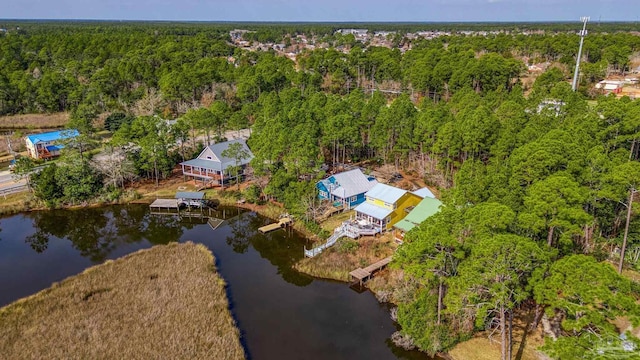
(252, 193)
(346, 245)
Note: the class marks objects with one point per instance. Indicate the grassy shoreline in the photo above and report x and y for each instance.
(335, 263)
(167, 301)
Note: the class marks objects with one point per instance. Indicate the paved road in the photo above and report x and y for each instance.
(5, 176)
(8, 185)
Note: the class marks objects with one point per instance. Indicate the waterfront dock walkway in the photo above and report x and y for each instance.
(283, 222)
(361, 275)
(160, 204)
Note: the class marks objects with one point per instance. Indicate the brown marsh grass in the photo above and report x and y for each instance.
(336, 264)
(167, 302)
(34, 121)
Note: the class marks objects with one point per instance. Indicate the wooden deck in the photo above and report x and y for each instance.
(165, 204)
(285, 221)
(330, 211)
(361, 275)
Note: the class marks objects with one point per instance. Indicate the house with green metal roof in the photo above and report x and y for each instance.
(426, 208)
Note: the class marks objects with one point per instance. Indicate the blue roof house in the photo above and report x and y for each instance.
(346, 188)
(48, 145)
(212, 167)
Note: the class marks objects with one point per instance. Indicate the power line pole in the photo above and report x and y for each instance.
(583, 33)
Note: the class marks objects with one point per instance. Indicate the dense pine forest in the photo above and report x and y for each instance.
(538, 181)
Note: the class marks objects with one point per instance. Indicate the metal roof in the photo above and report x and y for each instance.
(373, 210)
(52, 136)
(426, 208)
(190, 195)
(54, 147)
(218, 148)
(386, 193)
(224, 162)
(351, 183)
(423, 193)
(206, 164)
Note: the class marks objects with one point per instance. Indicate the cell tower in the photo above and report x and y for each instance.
(583, 33)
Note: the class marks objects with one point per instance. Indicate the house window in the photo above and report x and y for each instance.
(353, 199)
(323, 194)
(209, 157)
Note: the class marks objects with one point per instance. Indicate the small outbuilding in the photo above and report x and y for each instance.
(191, 198)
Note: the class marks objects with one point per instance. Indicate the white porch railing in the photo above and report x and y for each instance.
(348, 228)
(337, 234)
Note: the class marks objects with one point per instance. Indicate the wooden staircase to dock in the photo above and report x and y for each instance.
(330, 242)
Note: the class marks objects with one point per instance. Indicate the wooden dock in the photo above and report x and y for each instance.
(171, 207)
(285, 221)
(361, 275)
(164, 204)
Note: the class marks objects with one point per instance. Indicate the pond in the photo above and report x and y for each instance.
(281, 313)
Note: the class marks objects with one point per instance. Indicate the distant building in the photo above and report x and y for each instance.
(360, 34)
(346, 188)
(211, 167)
(610, 86)
(48, 145)
(355, 32)
(237, 34)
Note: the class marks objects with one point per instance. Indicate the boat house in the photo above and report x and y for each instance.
(213, 168)
(346, 188)
(48, 145)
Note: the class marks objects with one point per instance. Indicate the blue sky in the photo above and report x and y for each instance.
(324, 10)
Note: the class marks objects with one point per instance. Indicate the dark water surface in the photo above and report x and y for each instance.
(281, 313)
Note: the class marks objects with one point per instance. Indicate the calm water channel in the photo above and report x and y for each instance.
(282, 313)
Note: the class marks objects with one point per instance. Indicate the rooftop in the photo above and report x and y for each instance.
(423, 193)
(374, 211)
(386, 193)
(52, 136)
(190, 195)
(425, 209)
(350, 183)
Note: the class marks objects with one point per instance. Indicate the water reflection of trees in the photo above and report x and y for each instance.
(282, 249)
(96, 232)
